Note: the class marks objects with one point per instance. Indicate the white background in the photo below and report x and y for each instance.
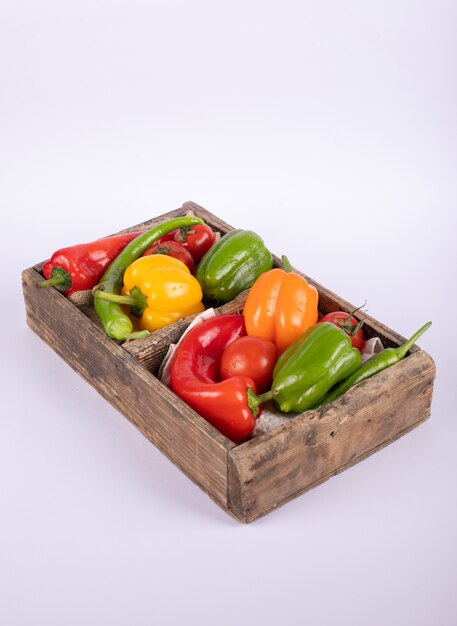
(330, 129)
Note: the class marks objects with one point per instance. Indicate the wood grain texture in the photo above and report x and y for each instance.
(270, 470)
(185, 437)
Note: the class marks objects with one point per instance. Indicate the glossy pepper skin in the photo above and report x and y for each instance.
(304, 373)
(162, 290)
(80, 267)
(233, 264)
(194, 377)
(280, 306)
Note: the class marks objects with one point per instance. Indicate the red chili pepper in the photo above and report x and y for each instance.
(80, 267)
(194, 377)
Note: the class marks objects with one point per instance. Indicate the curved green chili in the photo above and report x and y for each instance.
(116, 323)
(375, 364)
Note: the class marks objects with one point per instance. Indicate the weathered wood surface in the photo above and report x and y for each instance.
(253, 478)
(273, 468)
(187, 439)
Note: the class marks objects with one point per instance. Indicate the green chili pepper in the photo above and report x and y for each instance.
(116, 323)
(375, 364)
(233, 264)
(320, 358)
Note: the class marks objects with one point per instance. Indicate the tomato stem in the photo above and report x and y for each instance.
(351, 329)
(185, 231)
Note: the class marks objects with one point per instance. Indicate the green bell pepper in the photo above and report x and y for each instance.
(313, 364)
(233, 264)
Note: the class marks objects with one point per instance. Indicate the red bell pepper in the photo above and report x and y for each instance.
(80, 267)
(195, 378)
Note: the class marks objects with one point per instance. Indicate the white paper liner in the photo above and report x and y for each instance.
(164, 369)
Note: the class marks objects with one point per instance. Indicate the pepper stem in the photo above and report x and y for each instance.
(60, 279)
(402, 350)
(265, 397)
(255, 401)
(136, 300)
(286, 266)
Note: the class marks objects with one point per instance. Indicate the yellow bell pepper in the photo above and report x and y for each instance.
(159, 290)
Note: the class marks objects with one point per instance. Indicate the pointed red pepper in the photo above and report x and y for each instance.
(194, 377)
(80, 267)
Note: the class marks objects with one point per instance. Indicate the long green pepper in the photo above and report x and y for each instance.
(377, 363)
(116, 323)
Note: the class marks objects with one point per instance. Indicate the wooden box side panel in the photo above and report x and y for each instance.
(278, 466)
(186, 439)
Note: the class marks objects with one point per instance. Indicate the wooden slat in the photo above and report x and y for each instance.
(273, 468)
(186, 438)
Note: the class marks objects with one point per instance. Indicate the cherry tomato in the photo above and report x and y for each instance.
(197, 238)
(253, 357)
(174, 249)
(349, 324)
(169, 236)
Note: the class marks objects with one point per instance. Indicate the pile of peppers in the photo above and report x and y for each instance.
(317, 362)
(140, 284)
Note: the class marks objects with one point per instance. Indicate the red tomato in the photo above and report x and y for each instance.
(170, 235)
(174, 249)
(350, 325)
(253, 357)
(197, 238)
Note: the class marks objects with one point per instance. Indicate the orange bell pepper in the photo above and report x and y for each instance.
(280, 306)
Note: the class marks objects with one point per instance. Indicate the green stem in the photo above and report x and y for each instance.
(286, 266)
(265, 397)
(255, 401)
(136, 300)
(60, 279)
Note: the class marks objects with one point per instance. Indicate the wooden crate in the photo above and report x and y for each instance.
(254, 477)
